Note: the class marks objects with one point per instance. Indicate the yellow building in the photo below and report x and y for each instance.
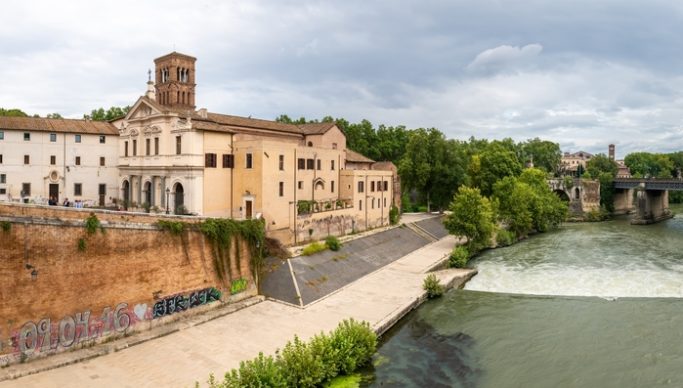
(300, 179)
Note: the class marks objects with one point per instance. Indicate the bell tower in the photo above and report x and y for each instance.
(175, 80)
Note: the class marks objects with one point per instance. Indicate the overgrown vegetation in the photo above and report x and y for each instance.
(313, 248)
(92, 225)
(81, 244)
(332, 243)
(433, 286)
(6, 226)
(459, 257)
(173, 227)
(393, 215)
(505, 237)
(307, 364)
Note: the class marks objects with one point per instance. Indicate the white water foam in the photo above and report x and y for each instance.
(607, 283)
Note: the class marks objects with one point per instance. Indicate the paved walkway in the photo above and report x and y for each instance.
(186, 356)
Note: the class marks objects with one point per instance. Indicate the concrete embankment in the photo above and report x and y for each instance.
(183, 357)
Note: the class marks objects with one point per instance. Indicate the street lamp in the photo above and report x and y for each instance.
(168, 191)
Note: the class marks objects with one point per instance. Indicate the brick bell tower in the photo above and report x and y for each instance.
(175, 82)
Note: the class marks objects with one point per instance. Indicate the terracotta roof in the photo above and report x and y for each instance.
(210, 126)
(316, 128)
(250, 123)
(58, 125)
(355, 157)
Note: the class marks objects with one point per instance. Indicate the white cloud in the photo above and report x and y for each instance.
(505, 56)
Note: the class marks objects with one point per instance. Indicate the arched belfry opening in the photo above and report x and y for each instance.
(175, 72)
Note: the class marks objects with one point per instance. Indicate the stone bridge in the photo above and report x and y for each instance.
(583, 195)
(651, 198)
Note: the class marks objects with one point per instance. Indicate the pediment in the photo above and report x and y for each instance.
(142, 109)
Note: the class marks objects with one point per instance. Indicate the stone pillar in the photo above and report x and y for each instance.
(139, 191)
(152, 184)
(163, 192)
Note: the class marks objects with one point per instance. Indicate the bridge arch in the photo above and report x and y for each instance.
(564, 196)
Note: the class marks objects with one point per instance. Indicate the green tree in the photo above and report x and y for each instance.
(514, 201)
(495, 162)
(472, 216)
(601, 163)
(112, 113)
(545, 155)
(54, 116)
(12, 113)
(649, 165)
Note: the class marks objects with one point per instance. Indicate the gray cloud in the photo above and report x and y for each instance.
(582, 73)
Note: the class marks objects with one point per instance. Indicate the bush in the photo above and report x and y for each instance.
(333, 243)
(597, 215)
(313, 247)
(433, 286)
(6, 226)
(393, 215)
(504, 237)
(301, 364)
(262, 371)
(459, 257)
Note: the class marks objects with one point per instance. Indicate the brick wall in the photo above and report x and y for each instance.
(55, 296)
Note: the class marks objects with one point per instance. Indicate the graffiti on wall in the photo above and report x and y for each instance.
(177, 303)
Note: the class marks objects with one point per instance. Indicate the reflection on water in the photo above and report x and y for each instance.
(481, 339)
(564, 309)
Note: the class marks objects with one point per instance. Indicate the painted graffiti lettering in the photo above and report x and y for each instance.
(70, 330)
(178, 303)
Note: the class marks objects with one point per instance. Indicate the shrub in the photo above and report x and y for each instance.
(174, 227)
(313, 247)
(433, 286)
(333, 243)
(263, 371)
(504, 237)
(393, 215)
(92, 223)
(597, 215)
(81, 244)
(354, 343)
(459, 257)
(300, 365)
(6, 226)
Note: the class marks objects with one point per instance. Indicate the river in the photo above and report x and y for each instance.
(589, 305)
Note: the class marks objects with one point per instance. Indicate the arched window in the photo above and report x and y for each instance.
(310, 144)
(577, 194)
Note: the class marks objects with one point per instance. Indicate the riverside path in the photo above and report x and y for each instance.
(187, 356)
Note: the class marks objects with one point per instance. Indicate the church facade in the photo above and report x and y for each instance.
(301, 179)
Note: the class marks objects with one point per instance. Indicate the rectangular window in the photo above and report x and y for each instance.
(310, 164)
(27, 136)
(78, 187)
(101, 160)
(135, 147)
(77, 139)
(228, 161)
(300, 185)
(373, 203)
(148, 147)
(210, 160)
(372, 186)
(103, 139)
(319, 164)
(125, 148)
(249, 160)
(361, 186)
(360, 204)
(26, 189)
(53, 160)
(301, 163)
(78, 160)
(332, 186)
(0, 158)
(385, 202)
(156, 146)
(386, 185)
(3, 178)
(282, 162)
(2, 135)
(27, 159)
(332, 165)
(53, 137)
(3, 191)
(334, 146)
(178, 145)
(282, 189)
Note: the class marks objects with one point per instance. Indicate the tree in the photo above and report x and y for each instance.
(600, 163)
(495, 162)
(54, 116)
(545, 155)
(112, 113)
(472, 216)
(649, 165)
(12, 113)
(514, 201)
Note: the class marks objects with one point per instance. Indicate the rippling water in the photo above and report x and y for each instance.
(591, 305)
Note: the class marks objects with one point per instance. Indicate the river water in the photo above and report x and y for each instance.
(589, 305)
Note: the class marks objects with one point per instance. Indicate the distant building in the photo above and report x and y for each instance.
(570, 162)
(623, 171)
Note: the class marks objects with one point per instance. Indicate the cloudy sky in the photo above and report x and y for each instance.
(581, 73)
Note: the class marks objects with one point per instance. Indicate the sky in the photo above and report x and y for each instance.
(583, 74)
